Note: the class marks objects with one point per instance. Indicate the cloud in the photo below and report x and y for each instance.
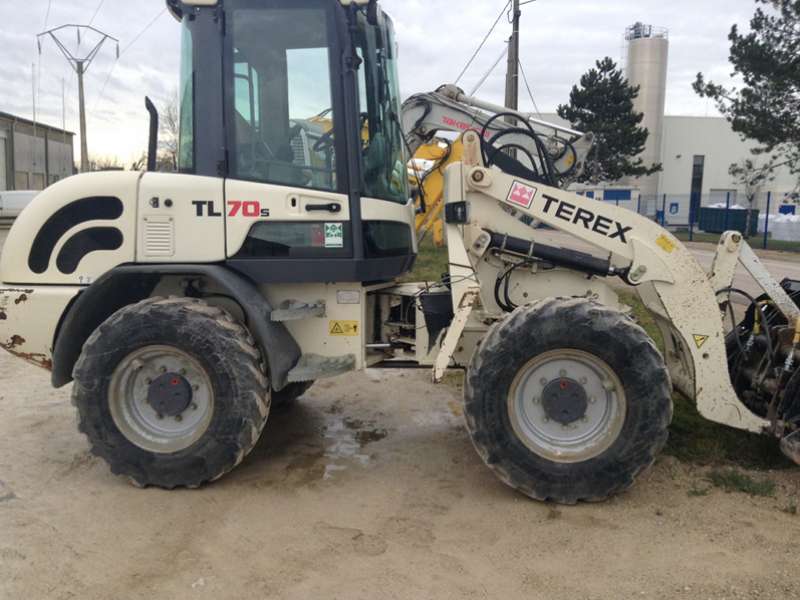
(559, 41)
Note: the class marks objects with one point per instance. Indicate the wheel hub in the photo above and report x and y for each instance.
(170, 394)
(567, 405)
(564, 401)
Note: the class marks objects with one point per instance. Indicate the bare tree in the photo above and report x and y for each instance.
(753, 177)
(105, 163)
(169, 128)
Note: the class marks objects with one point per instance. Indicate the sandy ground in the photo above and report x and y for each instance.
(367, 488)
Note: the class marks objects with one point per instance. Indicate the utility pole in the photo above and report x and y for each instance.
(80, 64)
(512, 75)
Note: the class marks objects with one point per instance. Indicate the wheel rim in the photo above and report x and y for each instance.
(161, 399)
(567, 406)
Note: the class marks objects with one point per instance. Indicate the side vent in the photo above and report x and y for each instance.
(159, 237)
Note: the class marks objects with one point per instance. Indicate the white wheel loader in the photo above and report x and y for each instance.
(184, 306)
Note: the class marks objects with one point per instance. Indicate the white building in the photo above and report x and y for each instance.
(695, 152)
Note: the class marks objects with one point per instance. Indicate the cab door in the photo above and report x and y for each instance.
(285, 196)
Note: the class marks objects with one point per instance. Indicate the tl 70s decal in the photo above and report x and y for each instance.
(236, 208)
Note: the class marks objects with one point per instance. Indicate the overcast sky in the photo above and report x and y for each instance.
(560, 41)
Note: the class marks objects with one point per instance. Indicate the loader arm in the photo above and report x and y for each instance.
(672, 284)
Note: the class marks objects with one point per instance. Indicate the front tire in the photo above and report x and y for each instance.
(567, 400)
(171, 392)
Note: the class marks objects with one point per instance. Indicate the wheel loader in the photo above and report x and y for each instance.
(184, 306)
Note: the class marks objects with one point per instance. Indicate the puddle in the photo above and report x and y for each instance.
(345, 439)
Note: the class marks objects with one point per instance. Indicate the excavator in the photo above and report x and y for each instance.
(183, 307)
(431, 117)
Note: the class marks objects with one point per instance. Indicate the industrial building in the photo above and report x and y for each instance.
(33, 155)
(695, 152)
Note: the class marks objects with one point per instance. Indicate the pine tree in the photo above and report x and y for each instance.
(767, 108)
(603, 105)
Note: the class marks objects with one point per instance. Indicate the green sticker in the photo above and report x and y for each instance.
(334, 235)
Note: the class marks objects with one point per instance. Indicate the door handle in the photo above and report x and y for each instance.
(332, 207)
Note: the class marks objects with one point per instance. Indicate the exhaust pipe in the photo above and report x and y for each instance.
(152, 146)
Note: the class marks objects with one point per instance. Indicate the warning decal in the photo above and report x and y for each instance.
(343, 328)
(700, 340)
(666, 244)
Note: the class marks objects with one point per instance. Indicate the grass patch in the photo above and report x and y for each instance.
(430, 265)
(756, 241)
(696, 439)
(732, 480)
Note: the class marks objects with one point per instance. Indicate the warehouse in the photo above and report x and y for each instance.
(33, 155)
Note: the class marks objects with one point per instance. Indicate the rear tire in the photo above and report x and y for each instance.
(567, 400)
(284, 399)
(171, 392)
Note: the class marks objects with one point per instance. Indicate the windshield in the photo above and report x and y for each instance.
(383, 150)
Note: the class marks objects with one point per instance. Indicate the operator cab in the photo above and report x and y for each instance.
(296, 104)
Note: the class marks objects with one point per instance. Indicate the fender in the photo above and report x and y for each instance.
(128, 284)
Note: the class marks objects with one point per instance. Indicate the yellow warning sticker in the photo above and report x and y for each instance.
(343, 328)
(666, 244)
(700, 340)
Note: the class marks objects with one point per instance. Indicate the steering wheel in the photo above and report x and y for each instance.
(258, 159)
(325, 142)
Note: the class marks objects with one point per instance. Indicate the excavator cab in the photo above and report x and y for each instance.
(296, 104)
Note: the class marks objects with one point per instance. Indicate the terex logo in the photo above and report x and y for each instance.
(590, 221)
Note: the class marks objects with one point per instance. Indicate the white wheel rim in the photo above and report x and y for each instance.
(567, 406)
(136, 417)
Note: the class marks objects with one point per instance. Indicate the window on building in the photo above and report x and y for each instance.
(617, 196)
(38, 181)
(698, 167)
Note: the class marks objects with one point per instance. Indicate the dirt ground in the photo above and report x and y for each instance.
(367, 488)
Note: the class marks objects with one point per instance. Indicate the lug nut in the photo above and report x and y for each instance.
(182, 371)
(194, 406)
(584, 381)
(562, 373)
(178, 418)
(195, 388)
(543, 381)
(160, 416)
(163, 369)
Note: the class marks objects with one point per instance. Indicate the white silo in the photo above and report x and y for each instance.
(648, 56)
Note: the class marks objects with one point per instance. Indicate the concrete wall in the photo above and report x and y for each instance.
(713, 138)
(33, 158)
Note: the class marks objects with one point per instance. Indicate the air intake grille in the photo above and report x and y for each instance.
(159, 236)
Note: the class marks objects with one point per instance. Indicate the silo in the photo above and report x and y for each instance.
(648, 55)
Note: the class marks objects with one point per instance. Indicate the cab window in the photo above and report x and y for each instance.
(283, 118)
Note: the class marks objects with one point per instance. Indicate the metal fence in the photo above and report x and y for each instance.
(773, 221)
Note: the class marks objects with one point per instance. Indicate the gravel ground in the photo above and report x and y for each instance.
(367, 488)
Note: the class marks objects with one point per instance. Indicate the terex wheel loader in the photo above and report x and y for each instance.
(183, 306)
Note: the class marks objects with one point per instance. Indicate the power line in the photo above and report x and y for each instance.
(480, 47)
(125, 49)
(143, 31)
(489, 72)
(530, 93)
(96, 10)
